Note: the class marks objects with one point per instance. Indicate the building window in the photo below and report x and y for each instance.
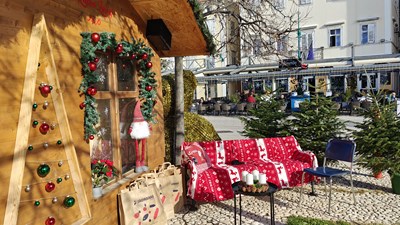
(304, 2)
(334, 37)
(307, 39)
(367, 33)
(257, 45)
(117, 91)
(281, 44)
(386, 78)
(337, 84)
(282, 85)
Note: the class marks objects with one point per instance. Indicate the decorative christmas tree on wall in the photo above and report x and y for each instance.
(45, 186)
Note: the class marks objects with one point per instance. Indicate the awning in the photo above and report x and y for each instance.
(387, 67)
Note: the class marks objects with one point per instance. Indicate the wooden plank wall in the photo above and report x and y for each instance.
(65, 21)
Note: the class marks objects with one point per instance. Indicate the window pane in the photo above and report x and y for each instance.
(126, 73)
(385, 79)
(128, 156)
(332, 41)
(102, 72)
(102, 144)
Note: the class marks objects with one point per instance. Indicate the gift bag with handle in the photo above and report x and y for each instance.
(163, 184)
(140, 204)
(168, 179)
(175, 188)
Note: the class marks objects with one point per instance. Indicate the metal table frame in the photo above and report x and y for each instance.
(272, 188)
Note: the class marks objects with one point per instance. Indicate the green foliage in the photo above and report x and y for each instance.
(201, 21)
(266, 120)
(300, 220)
(315, 124)
(134, 51)
(378, 137)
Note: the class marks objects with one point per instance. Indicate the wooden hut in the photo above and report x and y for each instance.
(68, 70)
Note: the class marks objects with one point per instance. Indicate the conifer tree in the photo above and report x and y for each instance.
(378, 136)
(265, 120)
(315, 123)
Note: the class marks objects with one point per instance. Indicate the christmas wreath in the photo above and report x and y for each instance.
(136, 51)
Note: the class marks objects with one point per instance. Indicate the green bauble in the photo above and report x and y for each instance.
(37, 203)
(69, 201)
(43, 170)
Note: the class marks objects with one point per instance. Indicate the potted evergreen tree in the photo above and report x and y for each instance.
(378, 138)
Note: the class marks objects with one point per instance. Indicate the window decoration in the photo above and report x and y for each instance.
(135, 52)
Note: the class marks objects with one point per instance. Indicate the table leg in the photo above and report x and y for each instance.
(234, 208)
(272, 208)
(240, 209)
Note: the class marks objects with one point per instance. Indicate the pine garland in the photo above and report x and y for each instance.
(136, 51)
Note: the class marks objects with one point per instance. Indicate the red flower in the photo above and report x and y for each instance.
(109, 174)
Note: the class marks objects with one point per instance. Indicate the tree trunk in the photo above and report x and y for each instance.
(179, 109)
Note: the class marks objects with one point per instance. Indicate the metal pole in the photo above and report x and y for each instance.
(298, 34)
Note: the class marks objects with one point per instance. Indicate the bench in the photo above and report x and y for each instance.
(213, 166)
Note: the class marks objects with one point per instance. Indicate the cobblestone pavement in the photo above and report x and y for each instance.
(376, 204)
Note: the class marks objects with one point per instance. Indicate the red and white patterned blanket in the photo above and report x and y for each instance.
(281, 159)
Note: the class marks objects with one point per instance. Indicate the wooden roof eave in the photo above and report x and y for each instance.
(178, 16)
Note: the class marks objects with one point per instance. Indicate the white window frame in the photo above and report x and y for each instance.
(305, 2)
(371, 31)
(340, 36)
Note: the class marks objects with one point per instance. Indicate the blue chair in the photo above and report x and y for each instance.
(336, 149)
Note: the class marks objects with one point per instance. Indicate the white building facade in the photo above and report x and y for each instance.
(338, 38)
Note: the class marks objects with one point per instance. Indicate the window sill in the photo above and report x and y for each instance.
(116, 185)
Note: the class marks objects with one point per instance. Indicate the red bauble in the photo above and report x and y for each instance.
(50, 221)
(82, 105)
(50, 187)
(119, 45)
(149, 88)
(44, 89)
(91, 137)
(92, 66)
(133, 56)
(44, 128)
(91, 91)
(95, 37)
(145, 56)
(96, 60)
(119, 49)
(149, 65)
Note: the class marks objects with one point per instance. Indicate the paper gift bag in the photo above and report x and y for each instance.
(168, 179)
(163, 184)
(140, 204)
(175, 188)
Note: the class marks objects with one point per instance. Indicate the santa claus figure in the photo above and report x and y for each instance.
(139, 131)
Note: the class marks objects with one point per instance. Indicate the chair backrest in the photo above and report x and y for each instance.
(217, 107)
(342, 150)
(225, 107)
(240, 106)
